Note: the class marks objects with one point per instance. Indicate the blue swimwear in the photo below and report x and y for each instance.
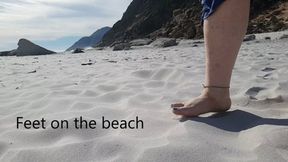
(209, 7)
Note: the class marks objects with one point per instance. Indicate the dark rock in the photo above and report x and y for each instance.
(198, 42)
(13, 52)
(151, 19)
(181, 19)
(89, 63)
(249, 37)
(121, 46)
(140, 42)
(8, 53)
(78, 50)
(285, 36)
(177, 12)
(27, 48)
(267, 16)
(181, 26)
(5, 53)
(111, 61)
(164, 42)
(267, 38)
(34, 71)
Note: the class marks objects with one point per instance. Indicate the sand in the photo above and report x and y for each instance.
(144, 82)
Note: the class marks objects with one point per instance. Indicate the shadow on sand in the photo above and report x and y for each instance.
(237, 120)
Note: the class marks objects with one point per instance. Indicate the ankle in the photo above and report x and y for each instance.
(221, 97)
(216, 93)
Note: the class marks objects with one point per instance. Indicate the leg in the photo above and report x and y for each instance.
(223, 31)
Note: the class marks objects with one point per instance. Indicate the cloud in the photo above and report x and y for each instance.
(42, 20)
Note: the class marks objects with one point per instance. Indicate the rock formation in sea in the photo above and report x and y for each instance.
(27, 48)
(6, 53)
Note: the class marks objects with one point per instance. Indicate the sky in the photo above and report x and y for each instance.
(55, 24)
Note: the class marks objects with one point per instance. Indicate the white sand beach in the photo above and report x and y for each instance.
(143, 82)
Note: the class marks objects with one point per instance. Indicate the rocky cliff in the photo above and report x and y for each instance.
(181, 19)
(90, 40)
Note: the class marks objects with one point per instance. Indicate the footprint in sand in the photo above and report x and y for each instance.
(266, 76)
(90, 93)
(277, 99)
(268, 69)
(144, 74)
(253, 92)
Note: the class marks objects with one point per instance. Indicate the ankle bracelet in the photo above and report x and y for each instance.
(212, 86)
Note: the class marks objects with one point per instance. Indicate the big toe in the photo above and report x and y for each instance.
(189, 112)
(177, 105)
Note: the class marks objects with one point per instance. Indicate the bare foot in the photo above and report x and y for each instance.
(211, 100)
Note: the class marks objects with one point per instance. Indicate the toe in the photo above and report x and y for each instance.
(176, 111)
(177, 105)
(188, 112)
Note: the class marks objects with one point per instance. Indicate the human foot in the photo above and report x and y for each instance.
(211, 100)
